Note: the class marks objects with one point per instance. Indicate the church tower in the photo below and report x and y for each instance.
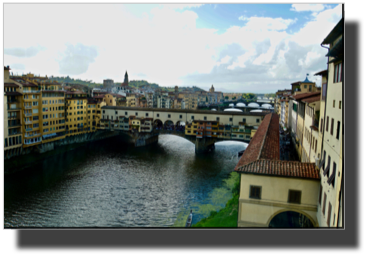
(125, 83)
(211, 89)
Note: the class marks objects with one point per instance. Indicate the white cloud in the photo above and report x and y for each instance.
(163, 45)
(307, 7)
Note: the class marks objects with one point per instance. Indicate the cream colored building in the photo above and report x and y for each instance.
(311, 151)
(331, 193)
(272, 190)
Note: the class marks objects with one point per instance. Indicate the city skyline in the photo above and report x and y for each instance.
(238, 48)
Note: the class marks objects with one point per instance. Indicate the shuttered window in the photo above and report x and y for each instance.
(294, 196)
(255, 192)
(327, 123)
(338, 129)
(322, 122)
(324, 203)
(331, 127)
(329, 214)
(320, 195)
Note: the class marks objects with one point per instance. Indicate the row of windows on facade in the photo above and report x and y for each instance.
(331, 127)
(53, 102)
(311, 139)
(13, 141)
(324, 207)
(180, 116)
(294, 196)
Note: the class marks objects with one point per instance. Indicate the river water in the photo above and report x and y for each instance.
(110, 184)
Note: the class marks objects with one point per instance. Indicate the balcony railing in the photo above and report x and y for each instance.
(14, 108)
(14, 124)
(32, 135)
(28, 114)
(14, 133)
(31, 91)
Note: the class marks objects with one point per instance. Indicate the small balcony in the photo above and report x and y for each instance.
(32, 135)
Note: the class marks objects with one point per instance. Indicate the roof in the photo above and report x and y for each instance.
(323, 72)
(259, 147)
(11, 85)
(262, 155)
(299, 82)
(300, 96)
(335, 33)
(12, 93)
(306, 80)
(312, 99)
(337, 49)
(281, 168)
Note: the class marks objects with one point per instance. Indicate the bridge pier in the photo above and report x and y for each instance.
(203, 145)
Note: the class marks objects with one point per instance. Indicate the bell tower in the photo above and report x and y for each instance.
(126, 79)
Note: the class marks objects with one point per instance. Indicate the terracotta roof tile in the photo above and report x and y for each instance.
(305, 95)
(262, 155)
(312, 99)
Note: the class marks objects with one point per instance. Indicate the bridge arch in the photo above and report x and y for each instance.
(157, 123)
(282, 211)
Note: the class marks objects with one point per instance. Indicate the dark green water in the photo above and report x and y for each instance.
(109, 184)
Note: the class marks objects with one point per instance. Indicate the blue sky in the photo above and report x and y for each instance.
(235, 47)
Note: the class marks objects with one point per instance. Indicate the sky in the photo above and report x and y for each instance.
(257, 48)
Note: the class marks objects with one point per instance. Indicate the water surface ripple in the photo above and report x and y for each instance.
(109, 184)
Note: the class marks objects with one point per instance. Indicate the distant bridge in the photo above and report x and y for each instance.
(177, 117)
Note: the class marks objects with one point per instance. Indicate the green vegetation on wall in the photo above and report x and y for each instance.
(228, 216)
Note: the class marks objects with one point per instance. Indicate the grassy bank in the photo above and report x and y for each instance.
(228, 216)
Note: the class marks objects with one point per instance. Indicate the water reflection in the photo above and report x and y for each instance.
(110, 184)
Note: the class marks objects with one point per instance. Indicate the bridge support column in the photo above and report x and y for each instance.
(205, 144)
(144, 139)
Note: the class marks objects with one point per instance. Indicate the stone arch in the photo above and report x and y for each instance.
(292, 210)
(169, 124)
(157, 123)
(180, 126)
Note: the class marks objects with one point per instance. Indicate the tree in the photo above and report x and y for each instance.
(226, 97)
(234, 98)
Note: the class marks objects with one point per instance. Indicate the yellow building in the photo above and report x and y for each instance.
(272, 190)
(13, 131)
(52, 115)
(76, 113)
(31, 110)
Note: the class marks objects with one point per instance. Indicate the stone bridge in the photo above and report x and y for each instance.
(177, 117)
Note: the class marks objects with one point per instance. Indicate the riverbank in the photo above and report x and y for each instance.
(228, 216)
(23, 161)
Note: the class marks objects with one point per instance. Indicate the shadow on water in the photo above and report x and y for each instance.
(112, 184)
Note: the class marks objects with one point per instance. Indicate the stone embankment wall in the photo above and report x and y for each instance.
(33, 155)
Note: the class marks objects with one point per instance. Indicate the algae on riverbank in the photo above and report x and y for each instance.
(228, 216)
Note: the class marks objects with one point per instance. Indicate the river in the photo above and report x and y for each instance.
(110, 184)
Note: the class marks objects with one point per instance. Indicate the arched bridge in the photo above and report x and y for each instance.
(205, 127)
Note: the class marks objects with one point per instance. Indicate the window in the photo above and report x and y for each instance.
(329, 213)
(334, 103)
(116, 112)
(294, 196)
(136, 113)
(230, 119)
(104, 112)
(257, 120)
(326, 171)
(255, 192)
(324, 203)
(331, 127)
(217, 118)
(331, 180)
(147, 114)
(338, 129)
(322, 121)
(327, 123)
(169, 115)
(126, 113)
(305, 86)
(310, 88)
(180, 116)
(316, 146)
(244, 120)
(157, 115)
(337, 73)
(320, 194)
(204, 118)
(339, 104)
(192, 117)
